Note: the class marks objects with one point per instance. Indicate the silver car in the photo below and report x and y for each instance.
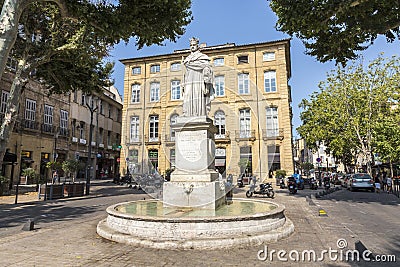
(360, 181)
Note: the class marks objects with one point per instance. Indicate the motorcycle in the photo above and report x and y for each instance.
(282, 183)
(240, 182)
(313, 184)
(264, 189)
(292, 185)
(327, 184)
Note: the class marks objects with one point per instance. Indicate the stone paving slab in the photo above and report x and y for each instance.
(75, 243)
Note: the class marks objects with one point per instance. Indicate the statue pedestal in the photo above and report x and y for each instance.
(194, 182)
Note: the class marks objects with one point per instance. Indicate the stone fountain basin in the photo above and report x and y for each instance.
(184, 229)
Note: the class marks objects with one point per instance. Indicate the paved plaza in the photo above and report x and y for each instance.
(65, 234)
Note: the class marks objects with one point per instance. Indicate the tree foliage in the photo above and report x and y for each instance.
(336, 30)
(356, 111)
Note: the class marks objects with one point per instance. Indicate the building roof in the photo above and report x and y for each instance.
(210, 48)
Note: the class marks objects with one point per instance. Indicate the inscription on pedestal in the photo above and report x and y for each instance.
(189, 145)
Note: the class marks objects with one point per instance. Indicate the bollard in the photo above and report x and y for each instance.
(29, 225)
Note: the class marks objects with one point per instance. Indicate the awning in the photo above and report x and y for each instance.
(219, 162)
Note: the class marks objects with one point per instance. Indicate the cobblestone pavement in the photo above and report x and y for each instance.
(73, 241)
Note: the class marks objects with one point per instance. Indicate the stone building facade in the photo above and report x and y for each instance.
(46, 129)
(251, 109)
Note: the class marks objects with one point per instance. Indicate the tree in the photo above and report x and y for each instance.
(64, 42)
(70, 167)
(351, 111)
(147, 21)
(336, 30)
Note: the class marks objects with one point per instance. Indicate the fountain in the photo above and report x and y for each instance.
(194, 212)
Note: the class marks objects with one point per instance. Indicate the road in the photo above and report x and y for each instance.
(65, 231)
(372, 218)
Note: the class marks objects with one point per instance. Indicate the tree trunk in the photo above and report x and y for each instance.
(9, 18)
(12, 109)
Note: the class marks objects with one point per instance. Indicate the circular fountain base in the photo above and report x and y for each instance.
(243, 223)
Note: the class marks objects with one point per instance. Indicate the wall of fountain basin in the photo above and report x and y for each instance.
(243, 223)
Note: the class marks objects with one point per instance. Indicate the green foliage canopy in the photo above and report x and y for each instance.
(336, 30)
(356, 111)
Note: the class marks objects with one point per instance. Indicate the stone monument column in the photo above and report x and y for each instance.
(194, 182)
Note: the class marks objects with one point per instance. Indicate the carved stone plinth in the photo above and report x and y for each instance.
(194, 182)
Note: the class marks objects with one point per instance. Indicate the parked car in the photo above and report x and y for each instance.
(360, 181)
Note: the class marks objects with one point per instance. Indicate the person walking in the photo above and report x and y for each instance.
(55, 177)
(389, 185)
(377, 184)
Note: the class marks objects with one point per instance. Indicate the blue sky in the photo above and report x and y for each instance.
(244, 22)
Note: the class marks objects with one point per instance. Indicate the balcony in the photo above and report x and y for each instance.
(64, 132)
(135, 139)
(223, 138)
(31, 125)
(169, 139)
(152, 140)
(247, 135)
(273, 134)
(48, 128)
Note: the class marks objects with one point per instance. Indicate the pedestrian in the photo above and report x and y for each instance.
(384, 182)
(389, 185)
(55, 176)
(377, 184)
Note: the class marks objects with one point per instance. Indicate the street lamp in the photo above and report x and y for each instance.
(92, 104)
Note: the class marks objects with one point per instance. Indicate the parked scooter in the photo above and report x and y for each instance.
(327, 183)
(282, 183)
(292, 185)
(240, 181)
(313, 184)
(264, 189)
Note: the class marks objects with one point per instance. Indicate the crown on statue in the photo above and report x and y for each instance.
(194, 40)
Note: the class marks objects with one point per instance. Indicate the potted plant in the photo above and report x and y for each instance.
(70, 167)
(3, 184)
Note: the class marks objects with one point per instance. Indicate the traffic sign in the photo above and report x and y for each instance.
(318, 159)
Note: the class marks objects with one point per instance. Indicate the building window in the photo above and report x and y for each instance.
(30, 113)
(268, 56)
(101, 107)
(81, 130)
(133, 156)
(154, 92)
(153, 128)
(110, 109)
(64, 122)
(4, 98)
(175, 66)
(272, 122)
(175, 90)
(136, 70)
(83, 100)
(219, 61)
(244, 123)
(101, 136)
(274, 157)
(76, 96)
(155, 68)
(135, 93)
(219, 121)
(48, 118)
(243, 59)
(270, 81)
(134, 136)
(246, 160)
(243, 83)
(119, 116)
(109, 138)
(173, 120)
(220, 85)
